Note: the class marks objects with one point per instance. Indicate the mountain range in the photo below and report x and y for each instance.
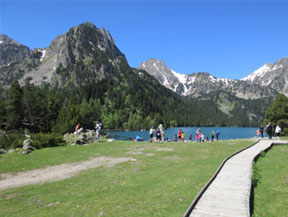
(267, 81)
(86, 53)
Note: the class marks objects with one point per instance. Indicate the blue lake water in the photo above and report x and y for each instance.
(225, 133)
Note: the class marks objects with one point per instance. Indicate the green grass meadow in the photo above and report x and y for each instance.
(162, 181)
(271, 193)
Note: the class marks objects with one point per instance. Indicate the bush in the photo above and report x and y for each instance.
(44, 140)
(13, 140)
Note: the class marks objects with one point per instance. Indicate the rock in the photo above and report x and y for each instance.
(11, 150)
(66, 135)
(84, 137)
(90, 133)
(91, 138)
(81, 139)
(27, 144)
(26, 151)
(3, 151)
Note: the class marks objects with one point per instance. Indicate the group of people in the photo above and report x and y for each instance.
(269, 131)
(159, 133)
(199, 136)
(180, 136)
(98, 127)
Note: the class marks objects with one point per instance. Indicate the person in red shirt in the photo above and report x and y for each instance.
(77, 128)
(179, 135)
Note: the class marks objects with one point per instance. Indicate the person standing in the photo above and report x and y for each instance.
(179, 135)
(258, 132)
(77, 129)
(161, 128)
(183, 136)
(278, 131)
(151, 132)
(269, 130)
(217, 135)
(98, 130)
(158, 135)
(261, 130)
(212, 135)
(198, 135)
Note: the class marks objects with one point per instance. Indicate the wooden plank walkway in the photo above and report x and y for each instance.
(229, 193)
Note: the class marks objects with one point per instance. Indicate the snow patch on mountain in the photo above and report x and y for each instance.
(191, 80)
(1, 42)
(43, 54)
(275, 67)
(259, 72)
(181, 77)
(165, 81)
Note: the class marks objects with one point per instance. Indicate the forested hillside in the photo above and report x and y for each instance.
(136, 102)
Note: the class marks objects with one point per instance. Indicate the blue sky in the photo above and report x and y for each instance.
(224, 38)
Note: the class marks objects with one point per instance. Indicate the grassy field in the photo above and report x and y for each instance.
(271, 193)
(162, 182)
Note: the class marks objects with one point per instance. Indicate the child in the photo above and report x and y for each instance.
(175, 138)
(183, 136)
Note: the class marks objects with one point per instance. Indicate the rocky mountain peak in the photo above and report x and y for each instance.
(11, 51)
(283, 62)
(259, 72)
(273, 76)
(82, 53)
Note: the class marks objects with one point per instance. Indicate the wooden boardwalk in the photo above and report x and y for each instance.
(228, 195)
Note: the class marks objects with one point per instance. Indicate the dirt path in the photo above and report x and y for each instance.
(55, 173)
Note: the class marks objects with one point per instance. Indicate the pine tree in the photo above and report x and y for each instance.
(35, 108)
(67, 119)
(2, 110)
(14, 106)
(54, 103)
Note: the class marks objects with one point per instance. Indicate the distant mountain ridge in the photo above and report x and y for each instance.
(197, 84)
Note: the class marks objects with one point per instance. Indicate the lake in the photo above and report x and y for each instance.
(225, 133)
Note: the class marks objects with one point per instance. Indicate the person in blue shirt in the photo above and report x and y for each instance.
(217, 135)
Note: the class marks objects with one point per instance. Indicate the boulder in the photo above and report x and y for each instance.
(27, 144)
(3, 151)
(11, 150)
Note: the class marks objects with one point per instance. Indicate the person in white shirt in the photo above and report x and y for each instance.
(278, 131)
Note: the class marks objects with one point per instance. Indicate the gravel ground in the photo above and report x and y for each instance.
(55, 173)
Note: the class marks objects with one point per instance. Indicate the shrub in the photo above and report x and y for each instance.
(44, 140)
(13, 140)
